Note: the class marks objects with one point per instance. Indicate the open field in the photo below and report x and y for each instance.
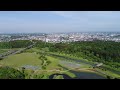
(3, 50)
(19, 60)
(30, 61)
(71, 58)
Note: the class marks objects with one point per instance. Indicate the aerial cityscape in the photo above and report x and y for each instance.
(63, 37)
(59, 45)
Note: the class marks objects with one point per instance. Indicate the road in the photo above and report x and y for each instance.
(18, 51)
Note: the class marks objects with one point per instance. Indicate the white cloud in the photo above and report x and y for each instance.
(67, 14)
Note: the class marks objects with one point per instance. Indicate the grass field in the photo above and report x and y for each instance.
(28, 59)
(72, 57)
(109, 73)
(19, 60)
(54, 63)
(6, 50)
(32, 50)
(3, 50)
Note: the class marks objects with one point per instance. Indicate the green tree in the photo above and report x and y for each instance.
(10, 73)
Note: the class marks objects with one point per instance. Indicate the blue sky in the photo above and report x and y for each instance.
(58, 21)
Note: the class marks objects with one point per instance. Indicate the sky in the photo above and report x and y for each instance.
(59, 21)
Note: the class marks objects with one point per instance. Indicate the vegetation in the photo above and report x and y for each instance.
(107, 52)
(58, 77)
(15, 44)
(10, 73)
(19, 60)
(38, 62)
(43, 58)
(3, 50)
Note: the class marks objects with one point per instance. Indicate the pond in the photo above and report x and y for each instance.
(80, 75)
(87, 75)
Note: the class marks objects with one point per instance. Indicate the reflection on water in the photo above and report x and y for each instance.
(79, 75)
(87, 75)
(65, 76)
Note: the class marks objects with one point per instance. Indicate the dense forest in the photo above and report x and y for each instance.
(15, 44)
(107, 52)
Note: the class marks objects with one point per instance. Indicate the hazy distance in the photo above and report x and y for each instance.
(59, 21)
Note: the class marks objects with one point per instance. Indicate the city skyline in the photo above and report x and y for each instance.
(59, 21)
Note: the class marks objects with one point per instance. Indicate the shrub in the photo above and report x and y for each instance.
(1, 58)
(43, 67)
(10, 73)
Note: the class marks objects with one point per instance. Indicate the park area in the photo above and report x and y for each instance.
(33, 65)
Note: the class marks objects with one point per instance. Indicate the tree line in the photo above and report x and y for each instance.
(15, 44)
(107, 52)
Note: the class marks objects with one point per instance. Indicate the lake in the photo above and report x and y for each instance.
(80, 75)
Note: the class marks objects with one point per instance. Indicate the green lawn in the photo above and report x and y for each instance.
(54, 63)
(33, 50)
(109, 73)
(70, 56)
(21, 59)
(3, 50)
